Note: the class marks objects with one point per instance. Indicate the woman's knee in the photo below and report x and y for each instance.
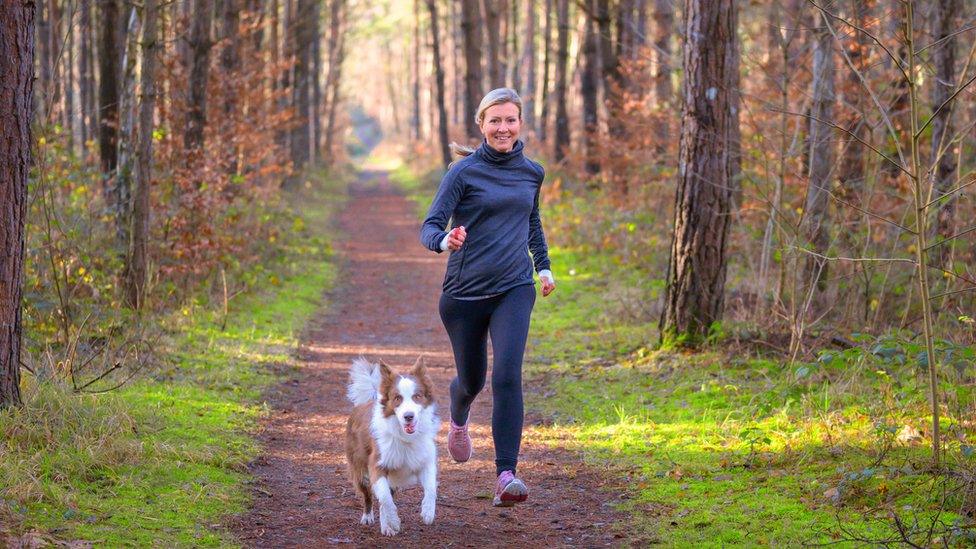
(468, 388)
(506, 382)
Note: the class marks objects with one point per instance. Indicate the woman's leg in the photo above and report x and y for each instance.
(509, 328)
(466, 323)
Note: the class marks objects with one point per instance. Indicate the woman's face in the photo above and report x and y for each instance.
(501, 126)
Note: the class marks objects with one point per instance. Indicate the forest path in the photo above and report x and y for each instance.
(385, 306)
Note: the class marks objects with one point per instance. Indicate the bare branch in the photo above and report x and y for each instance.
(949, 193)
(959, 291)
(871, 214)
(848, 132)
(857, 259)
(944, 103)
(950, 238)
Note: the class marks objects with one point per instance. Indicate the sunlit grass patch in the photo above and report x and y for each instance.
(716, 449)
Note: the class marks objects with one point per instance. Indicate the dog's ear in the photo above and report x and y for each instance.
(386, 381)
(423, 377)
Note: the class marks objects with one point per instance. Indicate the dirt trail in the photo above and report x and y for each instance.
(385, 306)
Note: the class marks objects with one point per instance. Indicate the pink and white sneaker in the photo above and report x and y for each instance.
(509, 490)
(459, 443)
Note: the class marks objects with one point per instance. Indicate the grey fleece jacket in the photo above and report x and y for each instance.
(495, 196)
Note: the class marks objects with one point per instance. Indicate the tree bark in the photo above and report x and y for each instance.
(471, 29)
(303, 30)
(821, 155)
(546, 63)
(334, 79)
(85, 86)
(16, 106)
(230, 63)
(200, 45)
(851, 165)
(496, 78)
(514, 69)
(561, 143)
(109, 88)
(610, 64)
(439, 79)
(697, 266)
(529, 95)
(663, 25)
(944, 58)
(588, 89)
(137, 266)
(415, 119)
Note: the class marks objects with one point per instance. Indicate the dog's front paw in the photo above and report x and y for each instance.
(427, 511)
(389, 522)
(367, 518)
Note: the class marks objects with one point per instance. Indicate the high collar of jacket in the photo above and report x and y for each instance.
(508, 159)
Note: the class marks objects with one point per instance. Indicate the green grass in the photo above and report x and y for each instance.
(162, 461)
(731, 448)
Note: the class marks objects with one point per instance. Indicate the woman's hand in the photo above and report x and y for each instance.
(455, 238)
(548, 285)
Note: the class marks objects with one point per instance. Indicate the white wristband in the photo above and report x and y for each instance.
(443, 244)
(546, 273)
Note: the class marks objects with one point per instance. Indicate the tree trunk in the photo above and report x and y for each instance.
(471, 29)
(70, 99)
(697, 266)
(821, 155)
(137, 265)
(121, 190)
(610, 64)
(851, 165)
(515, 69)
(663, 24)
(336, 36)
(230, 64)
(16, 105)
(85, 87)
(496, 78)
(303, 31)
(109, 88)
(943, 25)
(457, 51)
(588, 89)
(200, 44)
(415, 119)
(561, 143)
(439, 79)
(546, 63)
(529, 95)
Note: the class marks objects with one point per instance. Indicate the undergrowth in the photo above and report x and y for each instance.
(162, 460)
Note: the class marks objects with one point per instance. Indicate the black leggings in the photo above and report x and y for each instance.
(468, 324)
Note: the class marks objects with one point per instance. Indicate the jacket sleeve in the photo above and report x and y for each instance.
(537, 237)
(441, 210)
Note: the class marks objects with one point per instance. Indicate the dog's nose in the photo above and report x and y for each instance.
(408, 417)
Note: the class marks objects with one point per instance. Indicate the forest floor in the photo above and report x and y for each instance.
(384, 305)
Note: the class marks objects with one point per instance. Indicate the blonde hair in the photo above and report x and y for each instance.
(497, 96)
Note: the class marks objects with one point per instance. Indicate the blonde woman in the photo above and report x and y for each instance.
(492, 196)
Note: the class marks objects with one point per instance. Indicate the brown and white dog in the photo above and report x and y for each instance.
(390, 439)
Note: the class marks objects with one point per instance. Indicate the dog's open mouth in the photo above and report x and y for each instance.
(410, 428)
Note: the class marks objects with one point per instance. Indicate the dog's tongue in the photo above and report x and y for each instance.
(410, 428)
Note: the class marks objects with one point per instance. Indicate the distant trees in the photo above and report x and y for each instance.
(16, 105)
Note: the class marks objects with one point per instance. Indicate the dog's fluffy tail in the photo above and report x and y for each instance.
(364, 381)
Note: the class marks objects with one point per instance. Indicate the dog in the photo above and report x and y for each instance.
(390, 439)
